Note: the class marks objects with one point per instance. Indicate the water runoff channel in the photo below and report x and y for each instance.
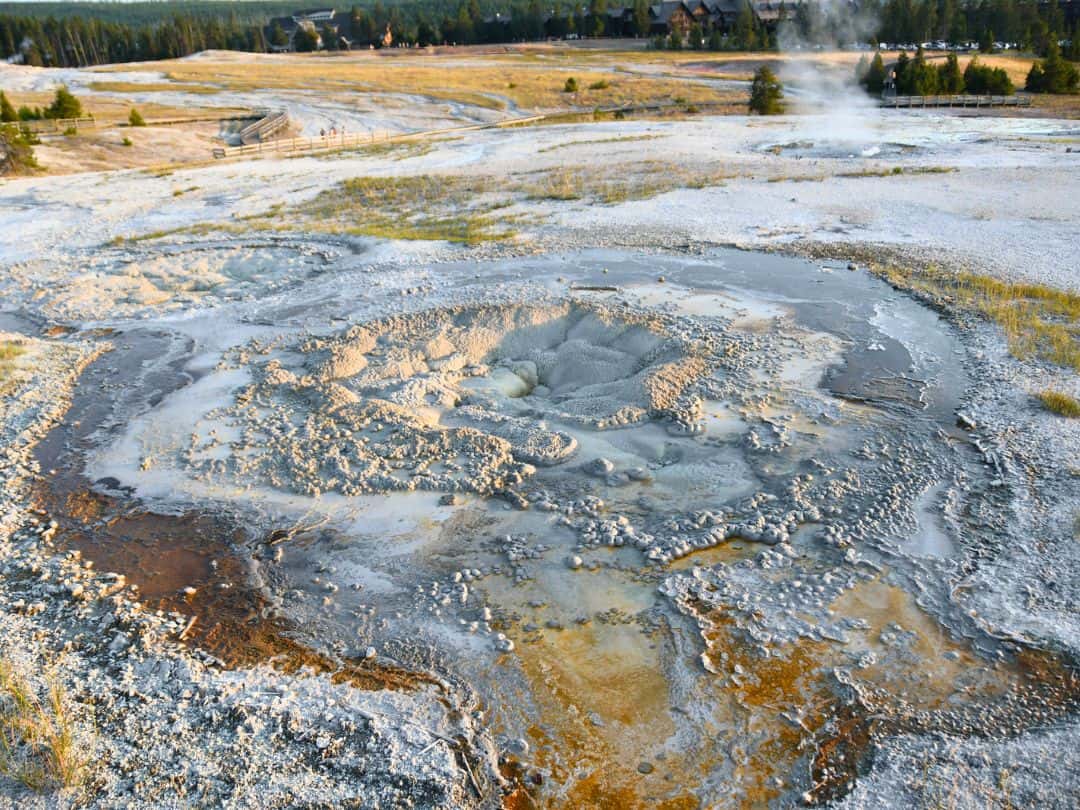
(687, 527)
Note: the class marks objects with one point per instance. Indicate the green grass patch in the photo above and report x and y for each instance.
(422, 207)
(610, 186)
(455, 208)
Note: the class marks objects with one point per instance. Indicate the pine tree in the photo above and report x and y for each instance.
(16, 150)
(874, 81)
(64, 105)
(1053, 74)
(745, 38)
(697, 38)
(862, 68)
(7, 111)
(278, 36)
(903, 75)
(305, 40)
(984, 80)
(950, 79)
(641, 17)
(924, 79)
(766, 93)
(1036, 79)
(598, 16)
(329, 37)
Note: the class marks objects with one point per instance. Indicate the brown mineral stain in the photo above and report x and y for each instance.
(163, 554)
(791, 696)
(603, 707)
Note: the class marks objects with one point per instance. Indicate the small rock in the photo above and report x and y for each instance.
(599, 467)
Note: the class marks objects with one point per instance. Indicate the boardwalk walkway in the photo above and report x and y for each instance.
(904, 102)
(325, 143)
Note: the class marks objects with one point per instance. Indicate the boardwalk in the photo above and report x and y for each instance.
(46, 126)
(956, 101)
(270, 123)
(341, 141)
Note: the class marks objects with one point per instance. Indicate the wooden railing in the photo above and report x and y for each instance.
(956, 101)
(325, 143)
(45, 125)
(270, 122)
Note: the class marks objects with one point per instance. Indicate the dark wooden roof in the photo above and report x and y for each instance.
(661, 12)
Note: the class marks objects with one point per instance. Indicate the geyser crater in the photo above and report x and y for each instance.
(465, 398)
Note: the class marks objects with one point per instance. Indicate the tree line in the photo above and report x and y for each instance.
(78, 41)
(64, 106)
(75, 35)
(1030, 24)
(918, 77)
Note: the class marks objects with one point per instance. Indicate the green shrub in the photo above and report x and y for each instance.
(7, 111)
(16, 150)
(600, 85)
(127, 141)
(570, 86)
(950, 79)
(916, 77)
(1054, 74)
(64, 105)
(984, 80)
(135, 119)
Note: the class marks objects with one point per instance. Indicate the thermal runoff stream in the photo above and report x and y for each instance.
(684, 529)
